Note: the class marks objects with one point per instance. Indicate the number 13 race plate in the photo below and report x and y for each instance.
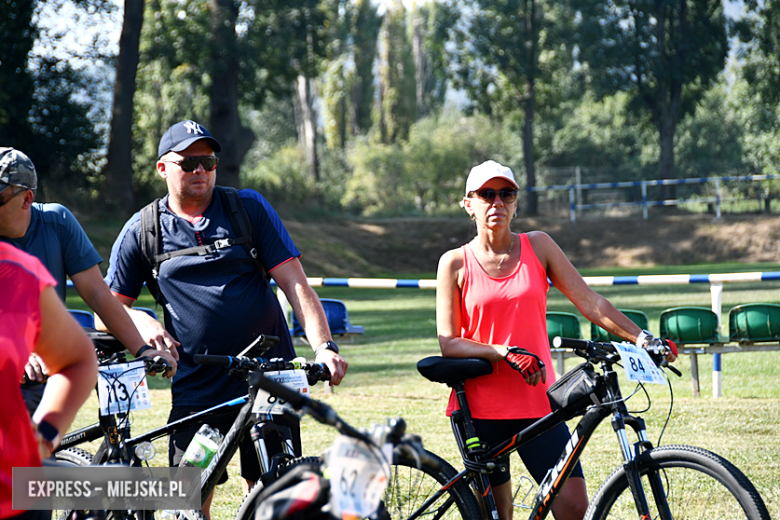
(122, 388)
(638, 364)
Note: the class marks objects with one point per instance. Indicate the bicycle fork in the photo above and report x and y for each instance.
(631, 454)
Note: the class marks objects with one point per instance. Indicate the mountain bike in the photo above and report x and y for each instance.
(352, 474)
(665, 482)
(119, 446)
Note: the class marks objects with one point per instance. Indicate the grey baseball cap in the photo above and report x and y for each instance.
(181, 135)
(16, 169)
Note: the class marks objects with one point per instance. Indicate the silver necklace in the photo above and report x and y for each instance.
(504, 256)
(508, 253)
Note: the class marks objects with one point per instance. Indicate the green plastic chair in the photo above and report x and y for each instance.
(564, 324)
(690, 325)
(754, 322)
(638, 317)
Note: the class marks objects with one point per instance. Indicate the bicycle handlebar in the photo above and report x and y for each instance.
(594, 350)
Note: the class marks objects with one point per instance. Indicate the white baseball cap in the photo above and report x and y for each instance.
(482, 173)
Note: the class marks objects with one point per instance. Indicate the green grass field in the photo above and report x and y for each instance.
(400, 330)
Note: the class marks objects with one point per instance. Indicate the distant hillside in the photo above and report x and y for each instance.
(412, 246)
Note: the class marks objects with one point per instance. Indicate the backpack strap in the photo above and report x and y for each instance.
(241, 223)
(151, 238)
(151, 244)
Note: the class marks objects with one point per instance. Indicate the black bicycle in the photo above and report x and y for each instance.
(118, 446)
(666, 482)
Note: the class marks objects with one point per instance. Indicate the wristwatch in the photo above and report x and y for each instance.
(328, 345)
(142, 350)
(48, 432)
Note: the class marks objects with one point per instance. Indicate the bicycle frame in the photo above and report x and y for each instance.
(480, 462)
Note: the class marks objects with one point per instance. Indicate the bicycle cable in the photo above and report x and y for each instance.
(671, 405)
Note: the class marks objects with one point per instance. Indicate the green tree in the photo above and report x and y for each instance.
(666, 54)
(397, 108)
(253, 50)
(760, 38)
(43, 106)
(118, 184)
(430, 31)
(509, 49)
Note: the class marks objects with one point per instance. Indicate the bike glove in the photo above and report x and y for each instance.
(655, 345)
(660, 346)
(523, 361)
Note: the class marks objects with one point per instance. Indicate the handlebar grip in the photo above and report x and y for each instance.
(559, 342)
(159, 364)
(208, 359)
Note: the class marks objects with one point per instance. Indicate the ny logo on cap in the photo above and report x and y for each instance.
(193, 127)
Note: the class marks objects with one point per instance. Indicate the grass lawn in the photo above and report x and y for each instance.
(400, 330)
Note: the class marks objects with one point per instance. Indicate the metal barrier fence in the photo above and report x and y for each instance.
(575, 192)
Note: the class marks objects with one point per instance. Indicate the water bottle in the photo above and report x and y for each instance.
(202, 448)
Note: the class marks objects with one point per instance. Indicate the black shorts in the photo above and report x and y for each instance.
(250, 466)
(539, 455)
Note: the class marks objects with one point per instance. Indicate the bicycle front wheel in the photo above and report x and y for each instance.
(695, 483)
(410, 487)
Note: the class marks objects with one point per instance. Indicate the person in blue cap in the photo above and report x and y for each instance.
(52, 234)
(219, 302)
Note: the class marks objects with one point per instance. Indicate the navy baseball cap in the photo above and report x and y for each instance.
(16, 169)
(181, 135)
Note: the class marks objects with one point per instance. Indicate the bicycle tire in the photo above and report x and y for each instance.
(409, 487)
(697, 482)
(76, 457)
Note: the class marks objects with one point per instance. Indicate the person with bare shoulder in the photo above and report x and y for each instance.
(33, 319)
(491, 303)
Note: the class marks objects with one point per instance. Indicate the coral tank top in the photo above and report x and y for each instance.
(507, 311)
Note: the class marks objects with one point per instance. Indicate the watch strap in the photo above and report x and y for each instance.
(142, 350)
(328, 345)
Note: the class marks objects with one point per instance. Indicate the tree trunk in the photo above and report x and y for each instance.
(308, 127)
(225, 126)
(118, 187)
(530, 111)
(419, 63)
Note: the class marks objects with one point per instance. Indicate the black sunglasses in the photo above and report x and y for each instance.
(508, 195)
(190, 164)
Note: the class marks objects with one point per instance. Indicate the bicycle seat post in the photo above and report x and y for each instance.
(461, 418)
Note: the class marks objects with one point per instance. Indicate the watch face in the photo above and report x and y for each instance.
(332, 346)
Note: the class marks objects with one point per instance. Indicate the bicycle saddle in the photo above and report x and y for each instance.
(452, 371)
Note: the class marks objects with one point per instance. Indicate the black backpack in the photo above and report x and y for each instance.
(151, 239)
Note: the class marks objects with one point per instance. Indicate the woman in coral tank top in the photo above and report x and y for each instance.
(491, 298)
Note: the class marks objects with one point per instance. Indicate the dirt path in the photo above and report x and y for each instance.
(378, 247)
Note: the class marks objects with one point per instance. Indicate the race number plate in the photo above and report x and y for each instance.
(266, 403)
(358, 477)
(122, 388)
(638, 364)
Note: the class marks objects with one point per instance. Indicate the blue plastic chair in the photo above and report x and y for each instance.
(338, 320)
(148, 311)
(85, 318)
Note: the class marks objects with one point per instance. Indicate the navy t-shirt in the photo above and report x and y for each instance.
(214, 304)
(57, 239)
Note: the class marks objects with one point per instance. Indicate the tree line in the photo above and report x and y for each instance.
(347, 105)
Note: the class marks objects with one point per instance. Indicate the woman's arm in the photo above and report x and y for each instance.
(449, 279)
(71, 361)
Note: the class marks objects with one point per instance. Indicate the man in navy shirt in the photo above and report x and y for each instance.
(216, 303)
(52, 234)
